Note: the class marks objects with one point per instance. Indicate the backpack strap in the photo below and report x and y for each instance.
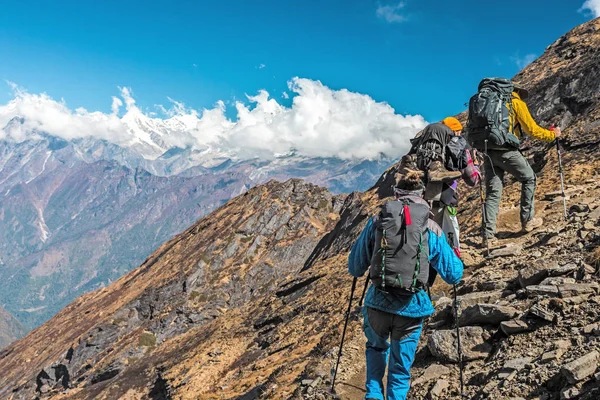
(418, 263)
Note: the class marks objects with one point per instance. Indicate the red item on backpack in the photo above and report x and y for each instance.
(407, 218)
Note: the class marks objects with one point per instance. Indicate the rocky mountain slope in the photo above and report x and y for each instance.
(77, 215)
(249, 302)
(10, 328)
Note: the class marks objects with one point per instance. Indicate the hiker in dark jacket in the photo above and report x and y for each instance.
(443, 193)
(511, 160)
(400, 319)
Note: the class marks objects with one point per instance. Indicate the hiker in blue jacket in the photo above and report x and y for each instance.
(386, 315)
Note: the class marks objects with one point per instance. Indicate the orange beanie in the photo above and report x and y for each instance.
(452, 123)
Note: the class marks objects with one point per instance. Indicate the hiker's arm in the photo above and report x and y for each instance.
(471, 175)
(360, 255)
(528, 125)
(443, 259)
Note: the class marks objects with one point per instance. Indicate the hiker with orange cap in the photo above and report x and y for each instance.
(442, 153)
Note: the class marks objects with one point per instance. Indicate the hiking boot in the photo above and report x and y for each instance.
(408, 164)
(437, 173)
(532, 224)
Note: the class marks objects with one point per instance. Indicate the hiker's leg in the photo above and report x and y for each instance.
(377, 350)
(437, 211)
(518, 166)
(494, 175)
(405, 337)
(451, 228)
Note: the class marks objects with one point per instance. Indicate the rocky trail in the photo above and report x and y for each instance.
(529, 315)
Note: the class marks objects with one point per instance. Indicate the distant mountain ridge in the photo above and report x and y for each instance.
(77, 214)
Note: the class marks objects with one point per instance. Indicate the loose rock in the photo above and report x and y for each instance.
(532, 274)
(478, 298)
(439, 388)
(508, 251)
(569, 393)
(581, 368)
(434, 371)
(442, 344)
(515, 326)
(543, 290)
(487, 314)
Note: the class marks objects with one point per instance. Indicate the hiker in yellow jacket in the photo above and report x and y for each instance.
(511, 160)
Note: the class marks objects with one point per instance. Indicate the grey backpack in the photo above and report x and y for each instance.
(488, 121)
(400, 262)
(437, 142)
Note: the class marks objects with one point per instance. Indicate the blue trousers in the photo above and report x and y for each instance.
(404, 332)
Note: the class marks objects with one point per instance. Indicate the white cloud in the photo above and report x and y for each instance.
(522, 62)
(321, 122)
(116, 104)
(261, 66)
(391, 13)
(593, 6)
(285, 95)
(127, 95)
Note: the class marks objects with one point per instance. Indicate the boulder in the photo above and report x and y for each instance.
(569, 393)
(581, 368)
(563, 270)
(478, 298)
(443, 310)
(557, 280)
(433, 372)
(559, 348)
(591, 328)
(442, 344)
(589, 226)
(508, 251)
(439, 388)
(542, 313)
(577, 289)
(487, 314)
(515, 326)
(543, 290)
(532, 274)
(516, 364)
(594, 216)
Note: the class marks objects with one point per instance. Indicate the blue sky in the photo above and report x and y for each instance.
(422, 57)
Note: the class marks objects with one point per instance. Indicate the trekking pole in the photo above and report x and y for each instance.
(360, 303)
(482, 199)
(459, 350)
(483, 209)
(562, 181)
(337, 364)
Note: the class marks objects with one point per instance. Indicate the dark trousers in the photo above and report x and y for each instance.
(513, 162)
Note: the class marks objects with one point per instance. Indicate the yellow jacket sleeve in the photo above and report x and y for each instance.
(528, 125)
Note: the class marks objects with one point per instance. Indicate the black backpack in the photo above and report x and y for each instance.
(400, 262)
(488, 124)
(437, 142)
